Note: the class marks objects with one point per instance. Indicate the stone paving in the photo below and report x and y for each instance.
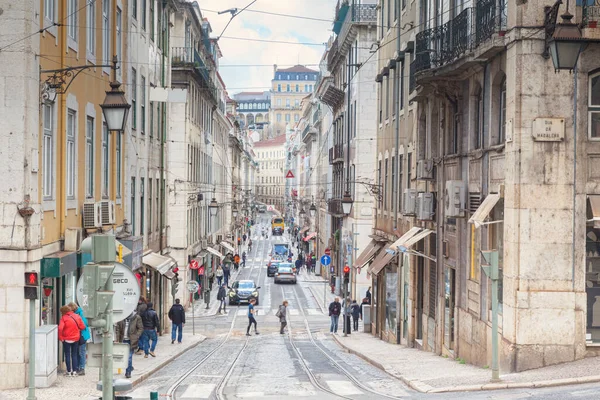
(84, 387)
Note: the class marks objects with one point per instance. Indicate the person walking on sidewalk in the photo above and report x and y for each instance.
(151, 327)
(85, 336)
(177, 317)
(141, 309)
(129, 331)
(244, 237)
(355, 311)
(236, 261)
(69, 332)
(222, 296)
(219, 274)
(251, 320)
(282, 315)
(368, 294)
(226, 274)
(335, 309)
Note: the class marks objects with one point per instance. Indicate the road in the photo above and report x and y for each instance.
(305, 362)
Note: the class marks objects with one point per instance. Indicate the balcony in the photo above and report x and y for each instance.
(188, 57)
(334, 207)
(336, 154)
(447, 43)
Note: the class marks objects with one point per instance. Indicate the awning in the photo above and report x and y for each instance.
(310, 236)
(368, 253)
(227, 245)
(594, 201)
(305, 229)
(417, 238)
(485, 208)
(126, 250)
(215, 252)
(162, 264)
(381, 261)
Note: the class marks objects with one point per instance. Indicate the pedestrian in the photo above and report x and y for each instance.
(219, 274)
(298, 264)
(85, 336)
(69, 333)
(335, 308)
(226, 274)
(244, 237)
(236, 261)
(249, 245)
(251, 320)
(177, 317)
(282, 315)
(355, 311)
(151, 327)
(129, 331)
(239, 241)
(222, 296)
(368, 294)
(244, 259)
(313, 263)
(141, 308)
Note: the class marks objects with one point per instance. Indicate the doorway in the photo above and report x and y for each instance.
(449, 302)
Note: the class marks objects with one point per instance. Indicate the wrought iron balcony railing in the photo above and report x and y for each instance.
(189, 57)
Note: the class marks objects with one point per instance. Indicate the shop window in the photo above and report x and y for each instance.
(592, 269)
(391, 295)
(594, 106)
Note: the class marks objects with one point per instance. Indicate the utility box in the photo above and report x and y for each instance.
(366, 313)
(46, 354)
(104, 248)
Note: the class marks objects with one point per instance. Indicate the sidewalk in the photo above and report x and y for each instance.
(429, 373)
(84, 387)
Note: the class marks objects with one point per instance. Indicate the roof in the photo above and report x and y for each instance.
(271, 142)
(297, 68)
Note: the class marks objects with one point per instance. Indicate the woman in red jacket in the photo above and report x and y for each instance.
(69, 332)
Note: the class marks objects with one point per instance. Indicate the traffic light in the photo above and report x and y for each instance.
(31, 285)
(174, 285)
(346, 274)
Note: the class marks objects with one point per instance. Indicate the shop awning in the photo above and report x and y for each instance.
(303, 230)
(215, 252)
(381, 261)
(227, 245)
(484, 209)
(162, 264)
(368, 253)
(310, 236)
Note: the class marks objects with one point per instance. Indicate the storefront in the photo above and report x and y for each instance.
(384, 295)
(592, 270)
(59, 281)
(156, 288)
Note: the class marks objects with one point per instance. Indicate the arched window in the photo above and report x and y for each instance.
(502, 115)
(594, 106)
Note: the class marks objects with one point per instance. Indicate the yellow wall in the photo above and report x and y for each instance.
(88, 87)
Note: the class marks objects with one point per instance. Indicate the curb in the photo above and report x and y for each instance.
(421, 387)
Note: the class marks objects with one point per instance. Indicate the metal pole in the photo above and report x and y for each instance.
(107, 348)
(193, 318)
(31, 393)
(495, 371)
(574, 234)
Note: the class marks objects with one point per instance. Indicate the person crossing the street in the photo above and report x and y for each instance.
(251, 319)
(244, 259)
(282, 315)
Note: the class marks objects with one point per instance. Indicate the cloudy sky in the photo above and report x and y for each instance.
(257, 27)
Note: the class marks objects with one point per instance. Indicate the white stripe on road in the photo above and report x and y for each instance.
(250, 394)
(343, 388)
(198, 391)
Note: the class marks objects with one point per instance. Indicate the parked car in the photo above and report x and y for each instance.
(285, 273)
(272, 267)
(243, 291)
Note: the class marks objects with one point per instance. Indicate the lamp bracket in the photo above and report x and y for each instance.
(59, 80)
(550, 17)
(373, 189)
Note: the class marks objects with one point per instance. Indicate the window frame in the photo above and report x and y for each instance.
(106, 33)
(48, 153)
(90, 35)
(72, 24)
(593, 109)
(133, 99)
(71, 154)
(89, 157)
(105, 161)
(143, 105)
(119, 166)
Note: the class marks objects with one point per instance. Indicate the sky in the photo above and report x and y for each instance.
(259, 26)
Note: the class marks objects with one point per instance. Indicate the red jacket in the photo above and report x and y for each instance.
(70, 327)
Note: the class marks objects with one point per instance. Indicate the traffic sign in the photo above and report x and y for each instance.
(192, 286)
(328, 251)
(289, 174)
(126, 288)
(325, 260)
(194, 264)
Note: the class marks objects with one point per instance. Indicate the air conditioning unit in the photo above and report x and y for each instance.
(425, 206)
(424, 170)
(219, 238)
(454, 199)
(409, 202)
(108, 212)
(204, 243)
(92, 215)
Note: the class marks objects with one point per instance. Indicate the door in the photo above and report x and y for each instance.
(420, 295)
(449, 302)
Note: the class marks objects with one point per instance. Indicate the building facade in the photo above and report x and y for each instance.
(270, 181)
(253, 110)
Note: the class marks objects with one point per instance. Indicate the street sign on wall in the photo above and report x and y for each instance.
(325, 260)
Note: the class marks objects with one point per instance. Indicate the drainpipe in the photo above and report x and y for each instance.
(397, 79)
(60, 188)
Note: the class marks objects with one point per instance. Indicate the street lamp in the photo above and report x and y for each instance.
(347, 203)
(213, 207)
(235, 212)
(566, 43)
(313, 210)
(115, 107)
(302, 213)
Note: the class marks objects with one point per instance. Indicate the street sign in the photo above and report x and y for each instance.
(270, 208)
(328, 251)
(194, 264)
(120, 355)
(331, 269)
(289, 174)
(325, 260)
(192, 286)
(126, 288)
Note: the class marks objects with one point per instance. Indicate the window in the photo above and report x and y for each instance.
(297, 88)
(143, 105)
(393, 183)
(287, 103)
(49, 9)
(287, 117)
(143, 18)
(142, 204)
(297, 103)
(594, 106)
(119, 29)
(387, 97)
(385, 183)
(152, 20)
(380, 103)
(400, 176)
(296, 117)
(71, 151)
(89, 157)
(401, 87)
(157, 194)
(478, 121)
(306, 88)
(48, 151)
(119, 155)
(106, 31)
(380, 182)
(105, 161)
(278, 117)
(91, 27)
(133, 206)
(502, 116)
(72, 19)
(134, 9)
(133, 99)
(288, 88)
(279, 87)
(408, 169)
(382, 20)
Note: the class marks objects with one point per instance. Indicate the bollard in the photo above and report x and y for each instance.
(153, 395)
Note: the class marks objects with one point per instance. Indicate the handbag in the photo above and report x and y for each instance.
(81, 340)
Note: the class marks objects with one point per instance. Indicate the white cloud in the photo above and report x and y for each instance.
(252, 25)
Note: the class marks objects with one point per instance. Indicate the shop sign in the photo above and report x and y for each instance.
(548, 129)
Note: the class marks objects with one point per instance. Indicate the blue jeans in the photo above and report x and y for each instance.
(173, 331)
(334, 323)
(71, 351)
(149, 335)
(82, 352)
(130, 361)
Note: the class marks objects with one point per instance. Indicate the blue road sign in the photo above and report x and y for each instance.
(325, 260)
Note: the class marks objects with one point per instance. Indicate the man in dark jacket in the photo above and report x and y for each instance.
(335, 309)
(129, 331)
(355, 311)
(141, 308)
(221, 296)
(151, 327)
(177, 317)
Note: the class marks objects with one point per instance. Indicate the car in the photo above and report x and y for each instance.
(285, 273)
(272, 267)
(243, 291)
